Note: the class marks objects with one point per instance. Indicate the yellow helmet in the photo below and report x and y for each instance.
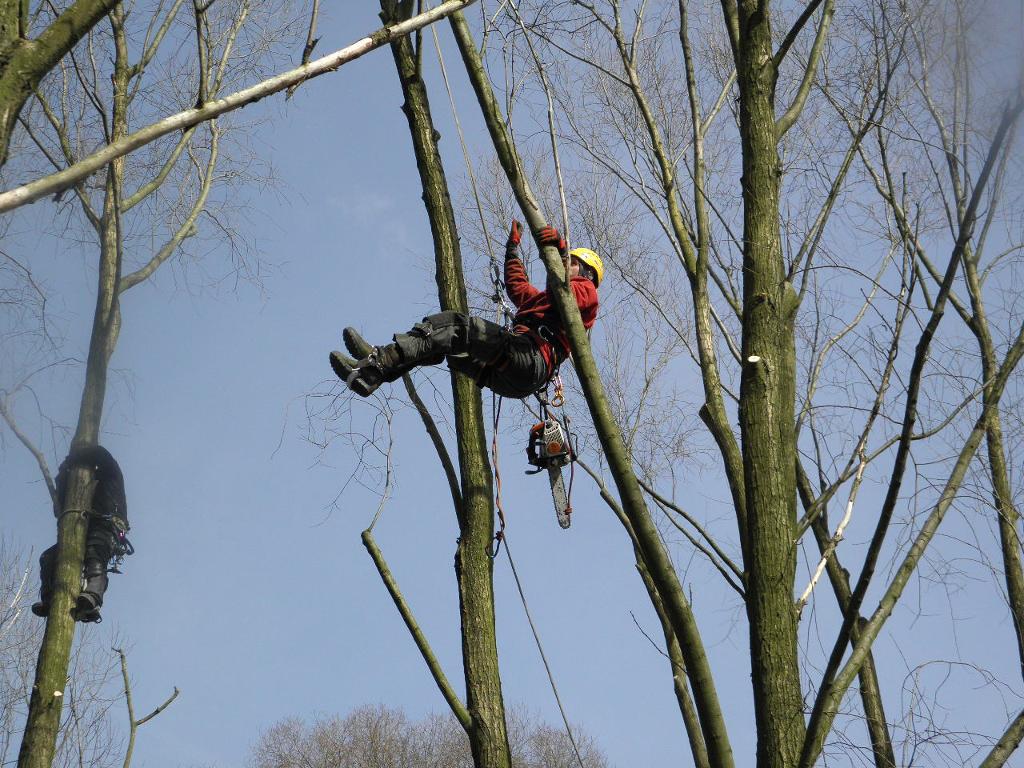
(591, 259)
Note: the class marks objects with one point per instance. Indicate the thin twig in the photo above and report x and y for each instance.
(133, 724)
(311, 42)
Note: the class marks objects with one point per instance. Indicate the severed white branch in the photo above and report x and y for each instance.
(834, 541)
(181, 121)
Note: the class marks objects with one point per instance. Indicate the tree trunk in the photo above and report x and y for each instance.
(767, 403)
(473, 565)
(39, 741)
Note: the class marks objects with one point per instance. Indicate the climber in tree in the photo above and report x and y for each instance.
(106, 542)
(514, 363)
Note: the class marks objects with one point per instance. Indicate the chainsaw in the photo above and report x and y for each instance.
(549, 448)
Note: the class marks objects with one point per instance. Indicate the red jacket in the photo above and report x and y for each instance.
(535, 309)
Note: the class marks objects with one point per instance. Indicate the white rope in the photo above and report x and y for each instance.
(505, 310)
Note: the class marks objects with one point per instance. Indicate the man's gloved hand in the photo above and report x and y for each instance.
(515, 235)
(550, 236)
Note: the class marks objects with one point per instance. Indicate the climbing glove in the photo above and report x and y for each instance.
(515, 235)
(550, 236)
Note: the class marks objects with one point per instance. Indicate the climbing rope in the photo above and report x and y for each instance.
(543, 656)
(500, 535)
(502, 538)
(505, 310)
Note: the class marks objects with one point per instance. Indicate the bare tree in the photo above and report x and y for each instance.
(382, 736)
(161, 196)
(469, 475)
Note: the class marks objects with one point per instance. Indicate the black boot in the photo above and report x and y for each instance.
(341, 365)
(378, 365)
(382, 365)
(90, 600)
(366, 375)
(99, 546)
(47, 564)
(356, 345)
(372, 366)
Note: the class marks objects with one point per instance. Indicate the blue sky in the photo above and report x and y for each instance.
(250, 589)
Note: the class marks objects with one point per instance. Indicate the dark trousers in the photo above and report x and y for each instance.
(510, 364)
(100, 540)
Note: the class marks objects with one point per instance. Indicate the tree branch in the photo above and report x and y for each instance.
(54, 183)
(791, 36)
(154, 184)
(457, 707)
(789, 118)
(187, 227)
(133, 724)
(1006, 745)
(820, 719)
(30, 60)
(24, 439)
(833, 688)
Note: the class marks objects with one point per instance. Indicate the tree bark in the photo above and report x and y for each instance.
(24, 62)
(767, 403)
(473, 565)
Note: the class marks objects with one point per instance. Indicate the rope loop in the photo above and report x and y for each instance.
(86, 513)
(495, 546)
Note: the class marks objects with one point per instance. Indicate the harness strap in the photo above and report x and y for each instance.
(121, 547)
(536, 333)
